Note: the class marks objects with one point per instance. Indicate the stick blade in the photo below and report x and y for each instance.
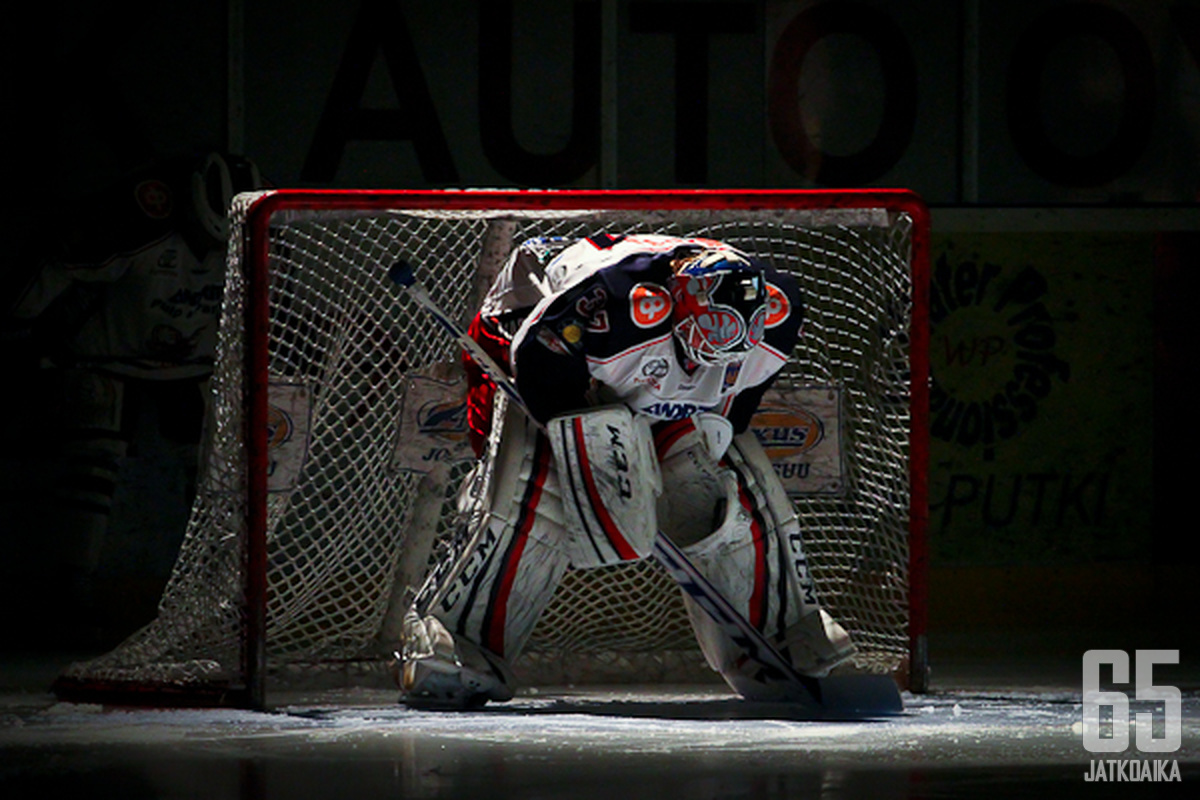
(858, 696)
(843, 697)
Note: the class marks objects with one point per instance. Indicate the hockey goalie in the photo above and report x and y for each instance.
(640, 360)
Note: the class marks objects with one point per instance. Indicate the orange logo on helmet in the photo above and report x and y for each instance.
(649, 304)
(778, 307)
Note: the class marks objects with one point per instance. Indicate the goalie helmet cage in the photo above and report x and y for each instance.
(298, 561)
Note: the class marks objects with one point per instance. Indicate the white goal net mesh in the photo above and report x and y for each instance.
(342, 339)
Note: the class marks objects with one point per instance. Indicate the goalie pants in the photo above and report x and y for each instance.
(733, 519)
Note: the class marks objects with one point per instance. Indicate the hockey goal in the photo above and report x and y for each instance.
(336, 445)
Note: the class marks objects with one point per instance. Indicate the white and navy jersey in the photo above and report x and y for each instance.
(605, 335)
(154, 314)
(134, 290)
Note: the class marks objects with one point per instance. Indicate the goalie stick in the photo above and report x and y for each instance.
(666, 552)
(401, 274)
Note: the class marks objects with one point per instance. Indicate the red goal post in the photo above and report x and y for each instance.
(253, 552)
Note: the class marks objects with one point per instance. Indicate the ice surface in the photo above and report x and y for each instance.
(612, 743)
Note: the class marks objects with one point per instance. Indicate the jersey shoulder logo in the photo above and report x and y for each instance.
(649, 304)
(153, 198)
(778, 306)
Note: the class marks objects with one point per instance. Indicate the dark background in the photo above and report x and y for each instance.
(1058, 140)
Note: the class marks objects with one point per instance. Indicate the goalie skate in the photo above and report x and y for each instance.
(434, 672)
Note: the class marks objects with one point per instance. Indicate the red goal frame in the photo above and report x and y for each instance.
(258, 221)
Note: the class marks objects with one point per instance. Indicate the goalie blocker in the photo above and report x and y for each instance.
(593, 490)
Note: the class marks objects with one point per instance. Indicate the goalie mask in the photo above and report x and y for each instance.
(719, 306)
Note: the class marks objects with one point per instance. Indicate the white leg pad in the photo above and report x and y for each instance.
(506, 576)
(610, 481)
(756, 561)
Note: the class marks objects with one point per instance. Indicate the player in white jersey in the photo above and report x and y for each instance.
(122, 320)
(641, 359)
